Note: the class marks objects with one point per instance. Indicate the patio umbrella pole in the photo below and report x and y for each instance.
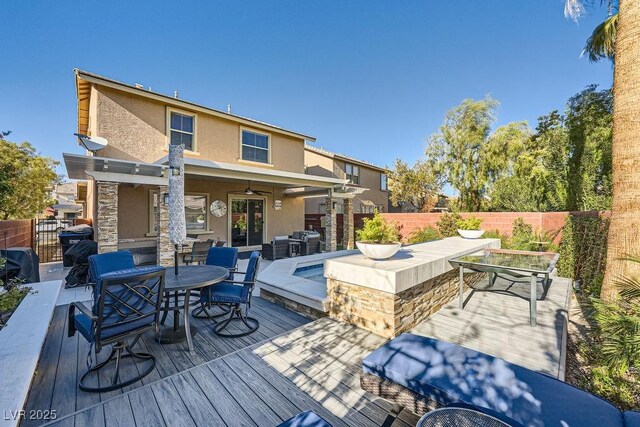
(175, 260)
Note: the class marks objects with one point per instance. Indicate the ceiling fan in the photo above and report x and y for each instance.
(251, 192)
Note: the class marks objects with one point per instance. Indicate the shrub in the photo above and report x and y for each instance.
(495, 234)
(425, 234)
(448, 224)
(583, 250)
(471, 223)
(378, 230)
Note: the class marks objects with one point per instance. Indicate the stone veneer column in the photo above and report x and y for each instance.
(348, 225)
(107, 216)
(163, 244)
(330, 226)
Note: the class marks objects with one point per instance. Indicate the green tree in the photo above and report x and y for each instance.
(412, 186)
(25, 178)
(455, 152)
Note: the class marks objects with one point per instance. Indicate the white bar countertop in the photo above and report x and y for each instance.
(412, 265)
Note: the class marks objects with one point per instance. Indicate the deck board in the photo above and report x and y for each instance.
(64, 359)
(294, 365)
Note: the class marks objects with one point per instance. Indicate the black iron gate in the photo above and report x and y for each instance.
(47, 244)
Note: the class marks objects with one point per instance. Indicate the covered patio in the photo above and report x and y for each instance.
(252, 204)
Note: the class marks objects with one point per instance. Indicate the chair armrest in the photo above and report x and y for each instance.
(241, 282)
(85, 310)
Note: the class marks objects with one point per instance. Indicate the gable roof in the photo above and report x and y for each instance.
(84, 80)
(339, 156)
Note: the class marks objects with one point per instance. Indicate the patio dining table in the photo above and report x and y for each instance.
(512, 263)
(190, 278)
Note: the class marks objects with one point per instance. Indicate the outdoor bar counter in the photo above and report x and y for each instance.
(392, 296)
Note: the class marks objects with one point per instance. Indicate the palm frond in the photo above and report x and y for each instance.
(602, 42)
(574, 9)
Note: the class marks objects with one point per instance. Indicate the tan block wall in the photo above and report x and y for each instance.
(389, 315)
(136, 128)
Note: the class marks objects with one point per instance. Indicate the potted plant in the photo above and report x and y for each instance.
(470, 228)
(378, 239)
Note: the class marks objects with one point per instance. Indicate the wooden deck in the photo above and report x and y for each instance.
(63, 360)
(290, 366)
(496, 322)
(312, 367)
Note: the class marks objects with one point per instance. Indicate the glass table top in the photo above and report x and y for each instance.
(543, 262)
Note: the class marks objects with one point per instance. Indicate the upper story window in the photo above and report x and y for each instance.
(383, 181)
(182, 128)
(353, 173)
(255, 146)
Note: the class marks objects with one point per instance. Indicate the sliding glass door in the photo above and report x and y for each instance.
(247, 222)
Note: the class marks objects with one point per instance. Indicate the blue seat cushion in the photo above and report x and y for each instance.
(449, 374)
(85, 326)
(306, 419)
(632, 419)
(108, 262)
(225, 292)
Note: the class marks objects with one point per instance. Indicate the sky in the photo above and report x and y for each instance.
(370, 79)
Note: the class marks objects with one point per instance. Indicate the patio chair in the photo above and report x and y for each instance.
(310, 244)
(221, 257)
(234, 294)
(306, 419)
(220, 243)
(126, 304)
(278, 248)
(422, 373)
(198, 254)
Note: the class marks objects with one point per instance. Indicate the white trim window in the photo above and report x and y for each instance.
(182, 129)
(254, 146)
(353, 173)
(383, 181)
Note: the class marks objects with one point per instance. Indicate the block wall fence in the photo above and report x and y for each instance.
(491, 221)
(19, 233)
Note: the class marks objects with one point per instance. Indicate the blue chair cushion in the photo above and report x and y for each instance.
(631, 419)
(306, 419)
(85, 326)
(108, 262)
(223, 257)
(449, 373)
(226, 293)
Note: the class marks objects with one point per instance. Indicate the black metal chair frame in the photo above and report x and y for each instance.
(119, 343)
(236, 311)
(197, 255)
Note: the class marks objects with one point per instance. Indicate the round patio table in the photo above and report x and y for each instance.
(189, 278)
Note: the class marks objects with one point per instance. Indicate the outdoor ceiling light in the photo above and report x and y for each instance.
(165, 198)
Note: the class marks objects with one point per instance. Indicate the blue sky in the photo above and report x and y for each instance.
(371, 79)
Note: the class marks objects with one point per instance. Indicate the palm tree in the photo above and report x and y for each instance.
(624, 229)
(601, 43)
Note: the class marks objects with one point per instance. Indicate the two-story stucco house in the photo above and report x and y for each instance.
(245, 180)
(370, 178)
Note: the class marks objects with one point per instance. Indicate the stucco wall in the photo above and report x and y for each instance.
(134, 209)
(136, 130)
(318, 164)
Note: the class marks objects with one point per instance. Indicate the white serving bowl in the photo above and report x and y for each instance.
(378, 250)
(471, 234)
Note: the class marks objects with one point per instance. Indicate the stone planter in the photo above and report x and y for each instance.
(471, 234)
(20, 343)
(378, 251)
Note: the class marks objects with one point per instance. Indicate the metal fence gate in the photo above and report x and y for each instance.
(46, 242)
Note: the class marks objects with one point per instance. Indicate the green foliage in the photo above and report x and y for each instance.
(412, 186)
(11, 299)
(602, 42)
(583, 251)
(378, 230)
(425, 234)
(25, 178)
(471, 223)
(456, 153)
(448, 224)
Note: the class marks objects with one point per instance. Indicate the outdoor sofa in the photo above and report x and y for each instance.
(422, 374)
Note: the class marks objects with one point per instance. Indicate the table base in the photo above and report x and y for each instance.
(171, 336)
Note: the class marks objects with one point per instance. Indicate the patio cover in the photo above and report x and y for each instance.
(114, 170)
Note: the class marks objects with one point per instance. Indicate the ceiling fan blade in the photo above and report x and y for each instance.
(260, 193)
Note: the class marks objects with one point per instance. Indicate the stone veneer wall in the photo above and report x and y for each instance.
(107, 217)
(348, 239)
(302, 309)
(389, 315)
(163, 245)
(330, 226)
